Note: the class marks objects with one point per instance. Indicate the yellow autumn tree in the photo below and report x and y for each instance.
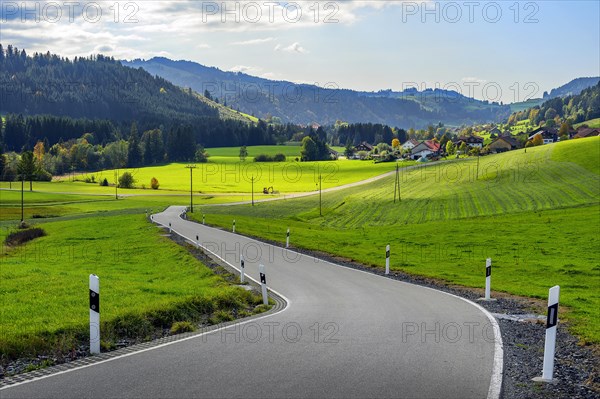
(395, 143)
(39, 151)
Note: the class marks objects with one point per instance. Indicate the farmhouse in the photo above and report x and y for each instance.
(503, 143)
(471, 141)
(583, 132)
(548, 135)
(364, 146)
(425, 149)
(410, 144)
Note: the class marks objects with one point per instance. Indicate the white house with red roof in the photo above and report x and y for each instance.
(425, 149)
(409, 144)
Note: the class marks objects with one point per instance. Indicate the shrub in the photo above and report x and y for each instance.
(182, 326)
(201, 155)
(154, 183)
(43, 175)
(279, 157)
(21, 237)
(104, 183)
(221, 316)
(126, 180)
(262, 158)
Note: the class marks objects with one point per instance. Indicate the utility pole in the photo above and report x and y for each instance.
(253, 190)
(116, 183)
(477, 173)
(191, 168)
(320, 197)
(22, 202)
(397, 185)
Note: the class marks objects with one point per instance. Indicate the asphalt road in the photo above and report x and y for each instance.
(344, 334)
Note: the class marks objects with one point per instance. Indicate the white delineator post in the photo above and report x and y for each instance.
(550, 345)
(197, 240)
(287, 238)
(387, 259)
(488, 278)
(233, 226)
(263, 283)
(202, 218)
(242, 270)
(94, 314)
(170, 227)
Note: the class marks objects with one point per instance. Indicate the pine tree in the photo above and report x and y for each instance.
(134, 155)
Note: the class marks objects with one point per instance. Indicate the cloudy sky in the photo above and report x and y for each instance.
(503, 50)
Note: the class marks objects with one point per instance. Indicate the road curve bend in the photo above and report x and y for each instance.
(344, 334)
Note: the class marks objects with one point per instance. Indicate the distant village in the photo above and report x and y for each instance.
(427, 150)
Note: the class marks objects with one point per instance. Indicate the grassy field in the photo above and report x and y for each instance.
(226, 174)
(45, 203)
(147, 281)
(530, 211)
(593, 123)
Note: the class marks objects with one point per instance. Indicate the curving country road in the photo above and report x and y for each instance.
(344, 334)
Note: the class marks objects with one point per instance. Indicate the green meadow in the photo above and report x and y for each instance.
(227, 174)
(593, 123)
(535, 213)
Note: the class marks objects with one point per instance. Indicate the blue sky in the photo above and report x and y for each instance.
(506, 51)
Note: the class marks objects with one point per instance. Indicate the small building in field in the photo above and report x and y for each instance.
(364, 146)
(409, 144)
(471, 141)
(425, 149)
(503, 143)
(548, 135)
(583, 132)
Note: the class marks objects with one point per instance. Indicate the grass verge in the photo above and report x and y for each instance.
(148, 284)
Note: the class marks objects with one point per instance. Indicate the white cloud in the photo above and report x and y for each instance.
(252, 42)
(292, 48)
(202, 45)
(245, 69)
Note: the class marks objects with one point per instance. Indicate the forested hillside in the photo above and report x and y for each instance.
(325, 104)
(574, 109)
(49, 98)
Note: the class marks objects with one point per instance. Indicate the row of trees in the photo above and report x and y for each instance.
(571, 109)
(27, 167)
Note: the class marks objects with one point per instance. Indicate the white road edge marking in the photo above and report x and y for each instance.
(497, 366)
(254, 319)
(498, 362)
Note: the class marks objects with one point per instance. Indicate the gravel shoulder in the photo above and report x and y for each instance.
(522, 323)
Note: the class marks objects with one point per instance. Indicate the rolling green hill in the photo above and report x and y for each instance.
(529, 211)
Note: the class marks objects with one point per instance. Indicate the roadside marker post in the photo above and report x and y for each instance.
(263, 283)
(202, 218)
(197, 240)
(170, 227)
(550, 343)
(233, 225)
(94, 314)
(488, 278)
(387, 259)
(287, 239)
(242, 271)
